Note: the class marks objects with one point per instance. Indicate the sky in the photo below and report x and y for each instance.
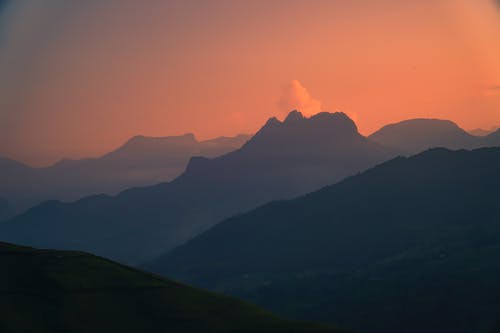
(78, 78)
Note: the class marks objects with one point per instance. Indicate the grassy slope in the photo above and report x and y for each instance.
(453, 289)
(56, 291)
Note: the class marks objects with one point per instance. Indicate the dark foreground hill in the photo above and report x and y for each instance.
(283, 160)
(416, 135)
(56, 291)
(412, 245)
(140, 161)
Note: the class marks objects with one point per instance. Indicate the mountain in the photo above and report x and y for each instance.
(58, 291)
(416, 135)
(282, 160)
(482, 132)
(140, 161)
(479, 132)
(411, 245)
(492, 139)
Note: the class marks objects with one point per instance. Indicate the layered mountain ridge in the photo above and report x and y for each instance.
(141, 161)
(410, 245)
(282, 160)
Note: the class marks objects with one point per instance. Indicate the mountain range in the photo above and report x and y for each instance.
(411, 245)
(416, 135)
(141, 161)
(61, 291)
(405, 244)
(282, 160)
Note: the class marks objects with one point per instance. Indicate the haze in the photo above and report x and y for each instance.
(80, 77)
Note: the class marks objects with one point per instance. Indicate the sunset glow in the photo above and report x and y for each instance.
(80, 78)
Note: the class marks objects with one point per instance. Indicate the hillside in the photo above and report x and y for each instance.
(58, 291)
(411, 245)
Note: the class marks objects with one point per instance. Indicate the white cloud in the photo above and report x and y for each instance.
(296, 97)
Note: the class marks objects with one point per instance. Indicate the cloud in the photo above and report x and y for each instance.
(295, 96)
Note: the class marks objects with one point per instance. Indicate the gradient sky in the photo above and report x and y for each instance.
(77, 78)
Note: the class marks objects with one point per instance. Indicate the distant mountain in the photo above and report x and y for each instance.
(416, 135)
(282, 160)
(492, 139)
(412, 245)
(140, 161)
(482, 132)
(479, 132)
(57, 291)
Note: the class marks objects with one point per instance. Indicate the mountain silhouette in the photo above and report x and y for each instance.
(282, 160)
(482, 131)
(60, 291)
(492, 139)
(411, 245)
(416, 135)
(140, 161)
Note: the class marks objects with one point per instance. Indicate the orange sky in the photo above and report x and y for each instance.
(79, 78)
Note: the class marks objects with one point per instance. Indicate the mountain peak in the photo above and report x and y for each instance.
(415, 135)
(273, 121)
(294, 116)
(421, 128)
(326, 115)
(299, 130)
(141, 139)
(495, 133)
(339, 120)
